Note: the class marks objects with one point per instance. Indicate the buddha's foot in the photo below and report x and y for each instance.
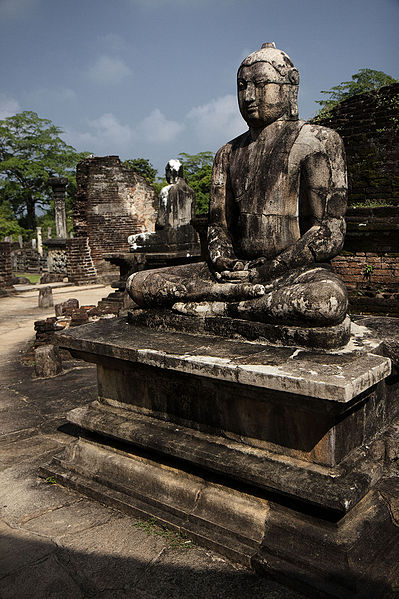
(200, 308)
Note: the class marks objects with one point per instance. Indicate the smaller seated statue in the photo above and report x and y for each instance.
(173, 231)
(276, 216)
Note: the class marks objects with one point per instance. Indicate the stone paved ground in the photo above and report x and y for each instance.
(57, 544)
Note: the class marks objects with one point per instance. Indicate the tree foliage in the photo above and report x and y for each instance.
(143, 167)
(32, 151)
(9, 226)
(197, 172)
(364, 80)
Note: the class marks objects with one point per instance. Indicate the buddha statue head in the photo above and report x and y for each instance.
(173, 171)
(267, 85)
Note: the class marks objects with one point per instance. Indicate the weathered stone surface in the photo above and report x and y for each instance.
(47, 361)
(98, 556)
(335, 376)
(277, 204)
(58, 185)
(5, 265)
(173, 229)
(333, 337)
(56, 259)
(332, 556)
(112, 202)
(66, 307)
(45, 297)
(335, 489)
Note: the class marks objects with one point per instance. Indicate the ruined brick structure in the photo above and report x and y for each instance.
(5, 264)
(112, 202)
(80, 267)
(369, 126)
(369, 262)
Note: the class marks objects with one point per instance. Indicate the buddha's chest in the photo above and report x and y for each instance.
(263, 180)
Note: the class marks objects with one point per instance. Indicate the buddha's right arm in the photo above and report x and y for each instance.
(220, 247)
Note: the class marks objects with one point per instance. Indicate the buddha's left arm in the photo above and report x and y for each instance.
(322, 206)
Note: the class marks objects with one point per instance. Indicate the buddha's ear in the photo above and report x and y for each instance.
(293, 76)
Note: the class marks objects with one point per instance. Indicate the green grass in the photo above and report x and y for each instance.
(33, 277)
(174, 540)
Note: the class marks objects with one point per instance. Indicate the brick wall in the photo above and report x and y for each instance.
(112, 202)
(80, 267)
(5, 264)
(360, 269)
(371, 251)
(369, 262)
(369, 126)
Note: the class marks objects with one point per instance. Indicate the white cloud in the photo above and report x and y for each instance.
(109, 129)
(8, 106)
(106, 135)
(156, 128)
(217, 120)
(52, 96)
(16, 8)
(114, 42)
(108, 70)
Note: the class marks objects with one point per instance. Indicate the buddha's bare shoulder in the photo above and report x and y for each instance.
(319, 138)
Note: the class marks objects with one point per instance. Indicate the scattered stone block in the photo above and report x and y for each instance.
(51, 277)
(47, 361)
(46, 297)
(66, 307)
(79, 317)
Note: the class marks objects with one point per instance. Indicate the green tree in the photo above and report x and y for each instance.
(197, 172)
(364, 80)
(143, 167)
(32, 151)
(9, 225)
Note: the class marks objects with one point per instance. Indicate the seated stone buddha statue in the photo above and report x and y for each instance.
(276, 215)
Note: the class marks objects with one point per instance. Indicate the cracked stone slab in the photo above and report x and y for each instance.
(208, 576)
(111, 556)
(46, 579)
(19, 549)
(327, 376)
(23, 496)
(70, 520)
(32, 449)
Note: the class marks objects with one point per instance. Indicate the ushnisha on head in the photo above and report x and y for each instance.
(173, 170)
(267, 86)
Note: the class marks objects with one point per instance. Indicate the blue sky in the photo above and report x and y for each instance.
(152, 78)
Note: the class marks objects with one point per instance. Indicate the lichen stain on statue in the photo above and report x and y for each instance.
(276, 218)
(173, 229)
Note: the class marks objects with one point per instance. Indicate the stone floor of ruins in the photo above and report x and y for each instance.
(55, 543)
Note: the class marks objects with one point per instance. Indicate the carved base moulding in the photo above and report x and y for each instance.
(280, 458)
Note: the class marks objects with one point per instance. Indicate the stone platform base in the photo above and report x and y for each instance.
(354, 556)
(281, 458)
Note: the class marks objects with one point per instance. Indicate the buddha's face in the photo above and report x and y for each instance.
(263, 97)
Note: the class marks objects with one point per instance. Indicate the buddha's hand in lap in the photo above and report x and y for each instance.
(263, 270)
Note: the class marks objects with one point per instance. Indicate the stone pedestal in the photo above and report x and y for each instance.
(59, 185)
(278, 457)
(56, 255)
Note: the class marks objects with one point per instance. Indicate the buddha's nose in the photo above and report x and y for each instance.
(249, 95)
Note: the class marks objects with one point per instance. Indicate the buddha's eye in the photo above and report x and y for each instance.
(260, 82)
(241, 84)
